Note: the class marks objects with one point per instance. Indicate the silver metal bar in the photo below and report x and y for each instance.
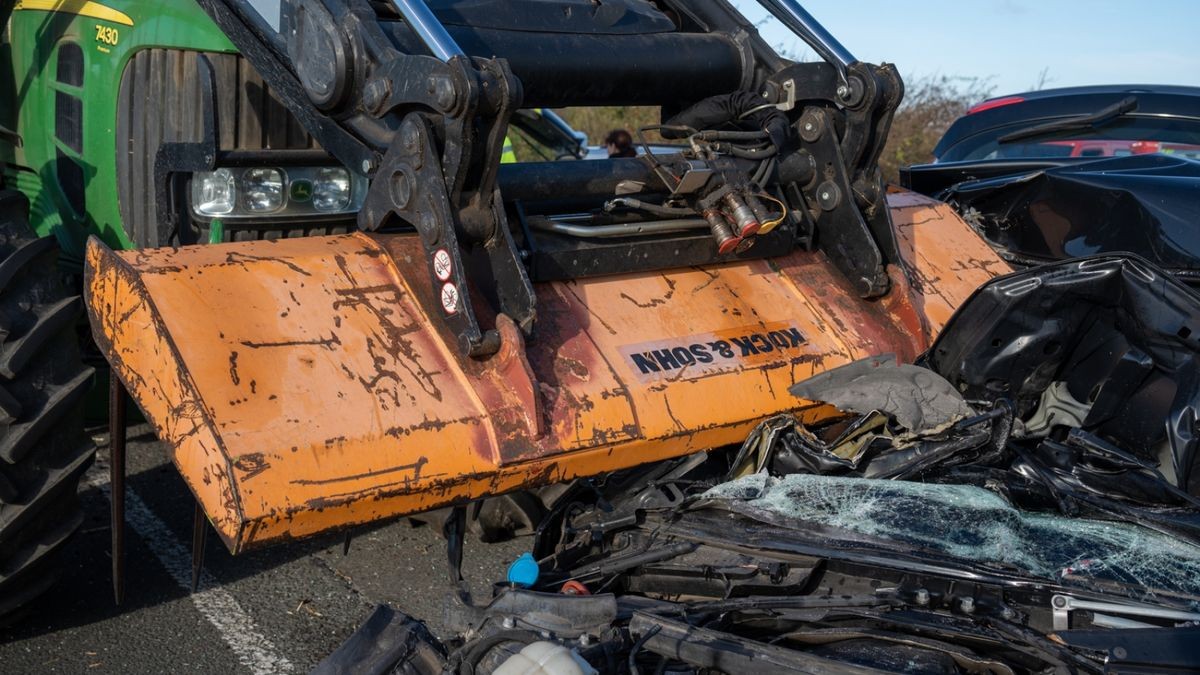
(807, 28)
(1063, 605)
(618, 229)
(431, 31)
(1106, 621)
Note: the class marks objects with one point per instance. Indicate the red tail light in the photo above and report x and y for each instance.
(995, 103)
(1144, 147)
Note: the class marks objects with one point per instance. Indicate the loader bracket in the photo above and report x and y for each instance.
(409, 185)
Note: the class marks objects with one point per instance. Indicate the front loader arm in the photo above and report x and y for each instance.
(389, 90)
(427, 129)
(679, 294)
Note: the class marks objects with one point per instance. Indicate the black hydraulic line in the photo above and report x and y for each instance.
(654, 555)
(753, 153)
(478, 650)
(713, 135)
(637, 647)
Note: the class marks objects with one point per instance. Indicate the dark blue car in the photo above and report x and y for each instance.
(1063, 173)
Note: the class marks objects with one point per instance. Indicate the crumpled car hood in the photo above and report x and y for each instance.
(1148, 205)
(1021, 500)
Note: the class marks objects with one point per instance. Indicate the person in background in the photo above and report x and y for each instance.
(619, 143)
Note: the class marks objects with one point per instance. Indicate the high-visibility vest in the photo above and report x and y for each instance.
(508, 156)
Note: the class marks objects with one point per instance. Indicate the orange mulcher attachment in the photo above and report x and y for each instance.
(302, 386)
(504, 327)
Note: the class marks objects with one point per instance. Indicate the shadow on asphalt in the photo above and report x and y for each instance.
(83, 595)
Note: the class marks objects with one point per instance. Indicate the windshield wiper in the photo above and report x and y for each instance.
(1089, 121)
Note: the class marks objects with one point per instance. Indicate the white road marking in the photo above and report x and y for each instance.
(234, 625)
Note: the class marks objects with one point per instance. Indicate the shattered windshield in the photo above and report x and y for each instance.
(973, 525)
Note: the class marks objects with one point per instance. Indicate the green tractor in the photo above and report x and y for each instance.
(108, 110)
(97, 100)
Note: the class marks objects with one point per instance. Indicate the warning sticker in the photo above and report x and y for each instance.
(709, 353)
(442, 264)
(450, 298)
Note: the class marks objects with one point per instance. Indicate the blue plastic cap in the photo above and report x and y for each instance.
(523, 571)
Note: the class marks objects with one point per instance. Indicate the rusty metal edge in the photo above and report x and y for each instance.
(121, 370)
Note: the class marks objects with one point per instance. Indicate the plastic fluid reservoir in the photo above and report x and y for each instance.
(545, 658)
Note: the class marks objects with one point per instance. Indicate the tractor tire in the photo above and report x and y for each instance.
(43, 448)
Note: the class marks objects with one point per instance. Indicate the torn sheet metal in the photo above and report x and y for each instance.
(1142, 204)
(919, 399)
(1119, 333)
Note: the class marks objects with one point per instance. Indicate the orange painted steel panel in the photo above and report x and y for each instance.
(301, 387)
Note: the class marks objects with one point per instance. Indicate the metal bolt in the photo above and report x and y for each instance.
(1008, 613)
(828, 196)
(443, 92)
(428, 226)
(375, 95)
(367, 165)
(410, 136)
(1059, 601)
(509, 622)
(967, 605)
(843, 91)
(401, 189)
(808, 126)
(922, 597)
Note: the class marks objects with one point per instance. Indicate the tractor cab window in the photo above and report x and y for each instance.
(540, 135)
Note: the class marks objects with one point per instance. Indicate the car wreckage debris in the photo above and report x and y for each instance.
(1023, 499)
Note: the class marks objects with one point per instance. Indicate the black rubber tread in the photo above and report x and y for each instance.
(43, 449)
(51, 320)
(10, 408)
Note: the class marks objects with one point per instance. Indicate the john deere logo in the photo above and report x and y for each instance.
(301, 191)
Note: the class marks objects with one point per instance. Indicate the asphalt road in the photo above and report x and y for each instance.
(277, 610)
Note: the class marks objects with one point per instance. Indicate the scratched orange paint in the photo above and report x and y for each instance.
(300, 386)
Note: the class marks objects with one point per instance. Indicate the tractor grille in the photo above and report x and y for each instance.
(159, 103)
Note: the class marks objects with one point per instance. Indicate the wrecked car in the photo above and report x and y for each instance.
(1021, 499)
(1061, 173)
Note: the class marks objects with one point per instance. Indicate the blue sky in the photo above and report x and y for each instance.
(1011, 41)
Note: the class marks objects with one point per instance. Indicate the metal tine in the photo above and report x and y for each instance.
(116, 446)
(199, 530)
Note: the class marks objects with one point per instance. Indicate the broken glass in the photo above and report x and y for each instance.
(974, 525)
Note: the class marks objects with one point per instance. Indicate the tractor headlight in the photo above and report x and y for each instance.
(213, 192)
(331, 189)
(262, 190)
(256, 193)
